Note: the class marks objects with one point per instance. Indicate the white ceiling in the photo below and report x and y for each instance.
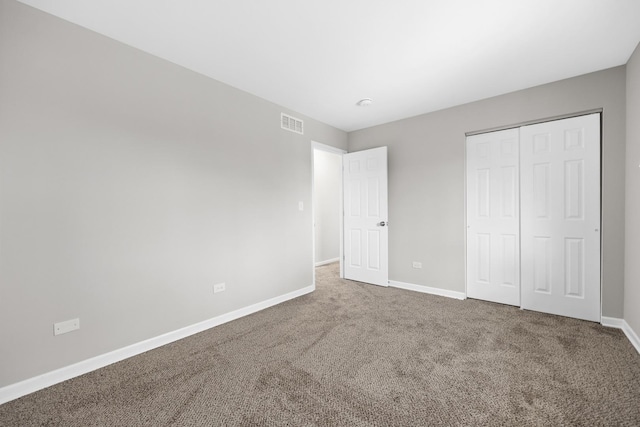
(319, 57)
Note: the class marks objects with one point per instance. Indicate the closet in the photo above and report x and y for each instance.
(533, 217)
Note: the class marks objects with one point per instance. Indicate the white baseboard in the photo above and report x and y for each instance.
(328, 261)
(428, 290)
(614, 322)
(22, 388)
(632, 335)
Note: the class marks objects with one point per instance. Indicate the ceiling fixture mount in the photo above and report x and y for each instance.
(365, 102)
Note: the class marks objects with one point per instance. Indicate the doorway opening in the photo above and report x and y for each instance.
(327, 205)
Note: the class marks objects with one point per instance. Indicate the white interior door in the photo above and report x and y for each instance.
(560, 216)
(365, 216)
(493, 219)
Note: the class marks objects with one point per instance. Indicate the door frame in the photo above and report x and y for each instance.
(533, 122)
(340, 152)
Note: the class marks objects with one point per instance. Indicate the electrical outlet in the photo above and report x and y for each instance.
(219, 287)
(66, 326)
(417, 264)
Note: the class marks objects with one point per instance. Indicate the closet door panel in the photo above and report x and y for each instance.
(560, 217)
(493, 267)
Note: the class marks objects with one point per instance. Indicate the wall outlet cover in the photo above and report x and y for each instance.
(66, 326)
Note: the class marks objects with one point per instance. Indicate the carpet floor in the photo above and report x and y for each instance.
(360, 355)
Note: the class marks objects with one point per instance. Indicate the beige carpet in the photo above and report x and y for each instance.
(359, 355)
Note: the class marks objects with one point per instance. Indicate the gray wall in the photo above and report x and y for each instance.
(326, 204)
(426, 176)
(128, 187)
(632, 241)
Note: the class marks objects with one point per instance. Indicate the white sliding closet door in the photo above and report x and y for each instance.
(493, 219)
(560, 217)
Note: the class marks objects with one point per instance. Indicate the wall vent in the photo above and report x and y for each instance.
(291, 123)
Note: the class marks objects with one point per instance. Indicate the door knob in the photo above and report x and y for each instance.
(383, 223)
